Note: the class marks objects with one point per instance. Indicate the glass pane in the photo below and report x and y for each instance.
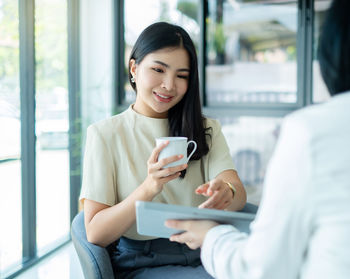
(320, 91)
(10, 138)
(251, 141)
(140, 13)
(52, 156)
(251, 52)
(97, 60)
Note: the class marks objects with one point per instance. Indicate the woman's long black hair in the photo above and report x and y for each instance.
(185, 118)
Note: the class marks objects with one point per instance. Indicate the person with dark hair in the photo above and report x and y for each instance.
(121, 163)
(302, 226)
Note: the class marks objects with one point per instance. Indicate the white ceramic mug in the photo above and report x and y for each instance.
(176, 146)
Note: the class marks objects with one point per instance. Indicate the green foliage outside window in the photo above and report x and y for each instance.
(189, 9)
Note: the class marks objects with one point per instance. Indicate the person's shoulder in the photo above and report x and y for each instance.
(302, 121)
(320, 119)
(333, 110)
(110, 124)
(211, 123)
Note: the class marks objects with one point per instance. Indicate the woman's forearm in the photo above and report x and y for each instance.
(105, 224)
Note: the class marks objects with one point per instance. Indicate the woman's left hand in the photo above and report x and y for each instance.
(220, 195)
(195, 231)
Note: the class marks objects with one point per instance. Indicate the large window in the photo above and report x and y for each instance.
(34, 138)
(96, 61)
(52, 123)
(10, 138)
(251, 64)
(251, 52)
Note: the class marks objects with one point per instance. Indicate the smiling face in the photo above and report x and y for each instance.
(161, 80)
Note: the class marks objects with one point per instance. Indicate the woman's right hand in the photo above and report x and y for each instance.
(157, 175)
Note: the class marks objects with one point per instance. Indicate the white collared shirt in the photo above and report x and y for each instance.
(302, 228)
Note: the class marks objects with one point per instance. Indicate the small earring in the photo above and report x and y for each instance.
(132, 79)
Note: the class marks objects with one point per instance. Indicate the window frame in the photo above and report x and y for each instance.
(304, 67)
(26, 12)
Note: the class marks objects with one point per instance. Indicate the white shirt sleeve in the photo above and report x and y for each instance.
(280, 232)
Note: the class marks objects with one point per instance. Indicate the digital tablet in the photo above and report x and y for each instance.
(151, 216)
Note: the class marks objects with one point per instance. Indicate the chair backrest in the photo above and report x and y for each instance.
(95, 260)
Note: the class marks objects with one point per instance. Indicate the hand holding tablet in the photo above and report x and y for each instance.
(151, 217)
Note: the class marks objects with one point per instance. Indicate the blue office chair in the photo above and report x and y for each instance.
(95, 261)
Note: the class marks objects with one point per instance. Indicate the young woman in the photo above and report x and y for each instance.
(121, 161)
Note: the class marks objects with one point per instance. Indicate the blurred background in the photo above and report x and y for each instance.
(63, 66)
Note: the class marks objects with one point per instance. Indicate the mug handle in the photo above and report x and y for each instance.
(194, 149)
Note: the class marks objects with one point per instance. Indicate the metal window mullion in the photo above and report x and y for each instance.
(118, 48)
(309, 19)
(246, 111)
(27, 92)
(203, 14)
(253, 105)
(75, 136)
(305, 39)
(301, 54)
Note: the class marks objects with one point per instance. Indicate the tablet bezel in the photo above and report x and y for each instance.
(151, 216)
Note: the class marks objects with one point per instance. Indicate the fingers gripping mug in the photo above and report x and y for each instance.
(176, 146)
